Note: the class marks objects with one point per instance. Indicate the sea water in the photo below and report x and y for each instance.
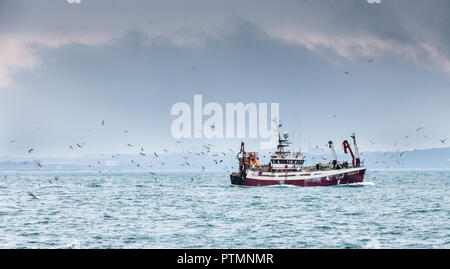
(391, 209)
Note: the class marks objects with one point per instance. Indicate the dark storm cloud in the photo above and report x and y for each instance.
(129, 61)
(344, 26)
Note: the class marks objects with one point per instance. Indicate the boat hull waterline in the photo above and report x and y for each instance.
(320, 178)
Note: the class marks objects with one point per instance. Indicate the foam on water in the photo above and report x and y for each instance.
(358, 184)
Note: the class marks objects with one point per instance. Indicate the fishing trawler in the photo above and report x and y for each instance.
(286, 168)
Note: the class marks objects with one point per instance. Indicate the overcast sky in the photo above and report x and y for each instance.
(66, 67)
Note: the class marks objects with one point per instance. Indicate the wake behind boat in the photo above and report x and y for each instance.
(287, 168)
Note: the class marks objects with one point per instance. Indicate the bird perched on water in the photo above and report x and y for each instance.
(39, 164)
(129, 145)
(370, 60)
(32, 195)
(103, 122)
(443, 140)
(80, 146)
(418, 129)
(70, 147)
(346, 72)
(30, 150)
(156, 155)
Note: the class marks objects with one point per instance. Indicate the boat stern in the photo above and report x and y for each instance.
(237, 178)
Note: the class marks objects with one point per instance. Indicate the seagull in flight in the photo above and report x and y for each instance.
(443, 140)
(32, 195)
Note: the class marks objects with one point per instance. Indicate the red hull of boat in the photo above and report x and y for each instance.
(343, 178)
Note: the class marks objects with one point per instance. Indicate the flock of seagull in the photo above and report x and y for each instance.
(218, 158)
(206, 150)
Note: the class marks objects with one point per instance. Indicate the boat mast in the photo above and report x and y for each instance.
(333, 151)
(356, 150)
(282, 143)
(347, 147)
